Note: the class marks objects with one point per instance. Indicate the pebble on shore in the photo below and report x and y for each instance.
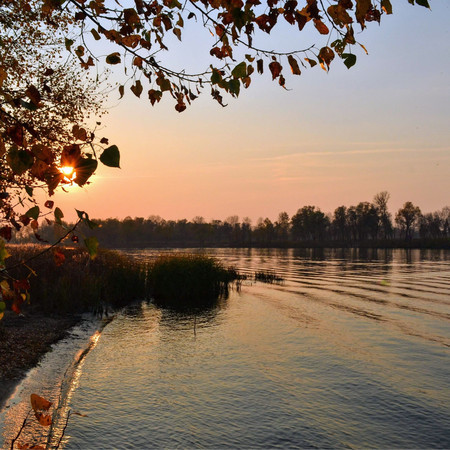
(23, 341)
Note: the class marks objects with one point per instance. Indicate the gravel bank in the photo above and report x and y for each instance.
(23, 341)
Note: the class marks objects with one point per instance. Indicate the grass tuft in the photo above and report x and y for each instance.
(186, 281)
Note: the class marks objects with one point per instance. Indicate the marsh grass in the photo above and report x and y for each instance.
(79, 284)
(269, 277)
(186, 281)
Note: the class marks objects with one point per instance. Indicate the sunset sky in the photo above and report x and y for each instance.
(332, 139)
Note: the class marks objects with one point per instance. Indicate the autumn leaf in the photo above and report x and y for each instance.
(275, 68)
(326, 54)
(44, 419)
(294, 65)
(6, 232)
(39, 403)
(137, 88)
(113, 58)
(49, 204)
(321, 27)
(58, 257)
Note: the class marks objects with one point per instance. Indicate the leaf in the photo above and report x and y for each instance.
(349, 59)
(260, 65)
(44, 419)
(95, 34)
(6, 233)
(423, 3)
(137, 88)
(364, 48)
(49, 204)
(154, 96)
(84, 169)
(39, 403)
(3, 253)
(386, 6)
(326, 54)
(58, 215)
(33, 94)
(68, 43)
(19, 160)
(113, 58)
(294, 65)
(111, 157)
(321, 27)
(29, 191)
(275, 68)
(33, 212)
(79, 133)
(58, 257)
(91, 244)
(240, 71)
(311, 62)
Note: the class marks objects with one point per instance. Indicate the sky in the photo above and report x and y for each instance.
(332, 139)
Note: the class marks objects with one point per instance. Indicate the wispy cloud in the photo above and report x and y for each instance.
(351, 152)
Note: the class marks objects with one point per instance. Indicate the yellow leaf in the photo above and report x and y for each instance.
(364, 48)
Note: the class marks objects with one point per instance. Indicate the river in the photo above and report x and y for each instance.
(351, 350)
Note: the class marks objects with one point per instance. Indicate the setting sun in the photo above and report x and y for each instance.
(69, 174)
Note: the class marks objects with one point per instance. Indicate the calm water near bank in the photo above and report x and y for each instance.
(351, 350)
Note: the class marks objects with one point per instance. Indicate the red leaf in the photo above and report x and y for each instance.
(59, 257)
(49, 204)
(21, 285)
(5, 232)
(276, 68)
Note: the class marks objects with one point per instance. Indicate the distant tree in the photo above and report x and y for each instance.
(367, 220)
(340, 223)
(407, 217)
(381, 203)
(282, 226)
(309, 223)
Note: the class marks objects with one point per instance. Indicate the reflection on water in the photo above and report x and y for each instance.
(352, 350)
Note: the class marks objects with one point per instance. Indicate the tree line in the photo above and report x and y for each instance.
(366, 223)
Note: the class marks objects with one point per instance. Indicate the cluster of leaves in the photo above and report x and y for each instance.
(43, 102)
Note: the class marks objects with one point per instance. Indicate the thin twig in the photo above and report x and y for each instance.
(22, 263)
(20, 430)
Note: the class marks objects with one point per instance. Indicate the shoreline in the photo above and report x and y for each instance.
(25, 339)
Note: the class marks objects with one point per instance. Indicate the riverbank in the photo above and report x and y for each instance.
(24, 341)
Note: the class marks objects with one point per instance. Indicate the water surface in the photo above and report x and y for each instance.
(352, 350)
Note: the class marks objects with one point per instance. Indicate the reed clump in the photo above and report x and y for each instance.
(187, 281)
(269, 277)
(74, 283)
